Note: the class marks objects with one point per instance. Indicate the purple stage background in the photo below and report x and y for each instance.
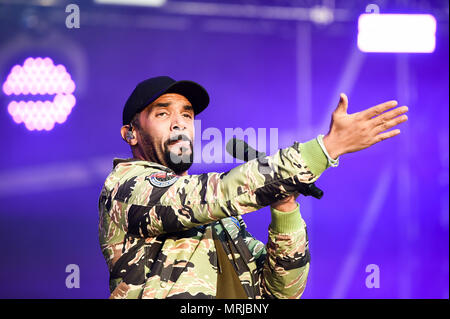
(386, 205)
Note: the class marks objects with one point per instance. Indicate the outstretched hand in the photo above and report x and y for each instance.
(353, 132)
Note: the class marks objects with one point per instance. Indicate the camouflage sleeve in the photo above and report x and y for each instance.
(200, 199)
(286, 265)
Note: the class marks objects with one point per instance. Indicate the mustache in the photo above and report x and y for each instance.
(177, 137)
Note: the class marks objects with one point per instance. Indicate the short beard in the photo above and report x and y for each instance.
(178, 163)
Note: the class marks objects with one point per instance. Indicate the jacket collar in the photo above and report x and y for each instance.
(136, 161)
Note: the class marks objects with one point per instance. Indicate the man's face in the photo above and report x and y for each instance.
(166, 132)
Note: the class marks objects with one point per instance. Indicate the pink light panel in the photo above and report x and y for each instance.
(39, 76)
(401, 33)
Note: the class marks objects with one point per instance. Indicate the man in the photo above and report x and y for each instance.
(167, 234)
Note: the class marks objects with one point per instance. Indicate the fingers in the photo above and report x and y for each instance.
(384, 136)
(290, 198)
(390, 124)
(385, 117)
(389, 120)
(377, 109)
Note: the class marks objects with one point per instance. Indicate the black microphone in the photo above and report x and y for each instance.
(241, 150)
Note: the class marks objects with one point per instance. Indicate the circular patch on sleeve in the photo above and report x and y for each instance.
(162, 179)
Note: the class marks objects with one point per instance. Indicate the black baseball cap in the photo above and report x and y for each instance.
(149, 90)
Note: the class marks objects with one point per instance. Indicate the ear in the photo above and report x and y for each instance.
(128, 135)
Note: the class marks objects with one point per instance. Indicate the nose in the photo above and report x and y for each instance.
(178, 123)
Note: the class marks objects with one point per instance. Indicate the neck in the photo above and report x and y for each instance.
(146, 156)
(137, 153)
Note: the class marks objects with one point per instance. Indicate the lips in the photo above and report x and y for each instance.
(179, 140)
(181, 145)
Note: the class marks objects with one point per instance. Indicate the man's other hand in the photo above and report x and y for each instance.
(287, 204)
(353, 132)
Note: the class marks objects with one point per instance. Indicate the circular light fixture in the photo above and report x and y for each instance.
(39, 76)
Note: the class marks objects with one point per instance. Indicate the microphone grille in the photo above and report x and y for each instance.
(236, 148)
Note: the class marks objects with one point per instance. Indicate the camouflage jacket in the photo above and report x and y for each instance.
(156, 228)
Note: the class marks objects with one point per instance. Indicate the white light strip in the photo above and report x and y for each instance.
(413, 33)
(143, 3)
(319, 14)
(47, 177)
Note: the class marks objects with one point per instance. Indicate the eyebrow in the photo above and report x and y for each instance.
(186, 107)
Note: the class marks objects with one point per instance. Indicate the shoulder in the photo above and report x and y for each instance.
(134, 181)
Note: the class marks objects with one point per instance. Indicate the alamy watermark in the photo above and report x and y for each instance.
(372, 8)
(73, 279)
(230, 145)
(373, 279)
(210, 144)
(73, 18)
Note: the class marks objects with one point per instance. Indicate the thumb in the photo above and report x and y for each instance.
(343, 103)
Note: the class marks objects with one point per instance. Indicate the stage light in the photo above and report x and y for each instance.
(408, 33)
(321, 15)
(143, 3)
(39, 76)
